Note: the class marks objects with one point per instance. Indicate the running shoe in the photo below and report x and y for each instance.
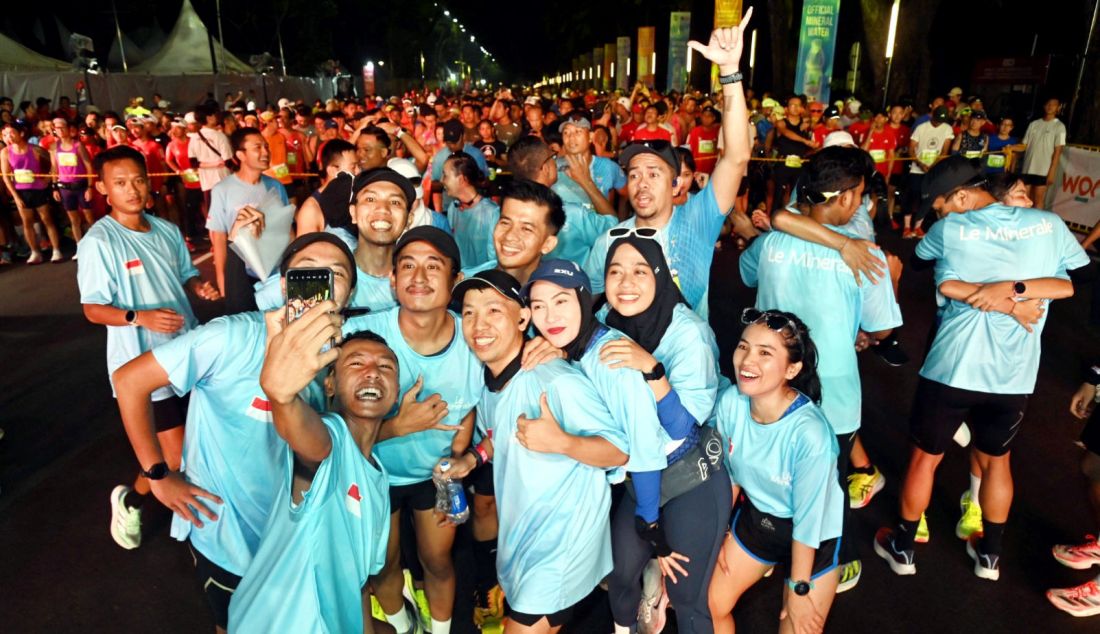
(900, 561)
(125, 522)
(1079, 556)
(894, 224)
(923, 536)
(863, 486)
(36, 258)
(849, 575)
(985, 566)
(490, 617)
(417, 598)
(907, 234)
(971, 520)
(1084, 600)
(57, 257)
(652, 609)
(5, 257)
(376, 610)
(918, 233)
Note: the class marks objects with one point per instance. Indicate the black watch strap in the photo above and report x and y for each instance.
(159, 471)
(732, 78)
(656, 374)
(131, 317)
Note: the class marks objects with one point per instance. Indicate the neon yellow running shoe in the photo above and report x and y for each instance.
(376, 609)
(863, 486)
(490, 617)
(923, 535)
(971, 520)
(417, 597)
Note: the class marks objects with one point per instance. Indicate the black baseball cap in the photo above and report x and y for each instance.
(657, 147)
(495, 279)
(940, 114)
(438, 238)
(949, 174)
(388, 175)
(453, 131)
(310, 238)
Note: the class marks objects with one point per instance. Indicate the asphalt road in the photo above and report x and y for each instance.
(64, 450)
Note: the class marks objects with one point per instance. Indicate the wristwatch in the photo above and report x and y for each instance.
(801, 588)
(131, 317)
(732, 78)
(1019, 288)
(656, 374)
(156, 472)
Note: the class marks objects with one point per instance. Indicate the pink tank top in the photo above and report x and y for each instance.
(69, 163)
(24, 166)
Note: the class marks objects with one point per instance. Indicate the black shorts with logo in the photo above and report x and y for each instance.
(767, 539)
(938, 410)
(560, 617)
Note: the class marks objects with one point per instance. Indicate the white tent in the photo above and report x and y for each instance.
(187, 50)
(16, 57)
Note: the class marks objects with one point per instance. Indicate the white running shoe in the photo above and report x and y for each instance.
(57, 257)
(652, 608)
(36, 258)
(125, 522)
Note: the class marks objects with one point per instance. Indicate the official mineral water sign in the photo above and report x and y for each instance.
(679, 30)
(1074, 194)
(816, 45)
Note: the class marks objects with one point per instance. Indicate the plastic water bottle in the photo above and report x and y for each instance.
(450, 497)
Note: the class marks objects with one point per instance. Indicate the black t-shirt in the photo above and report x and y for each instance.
(492, 150)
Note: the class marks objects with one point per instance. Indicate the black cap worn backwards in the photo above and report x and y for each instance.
(949, 174)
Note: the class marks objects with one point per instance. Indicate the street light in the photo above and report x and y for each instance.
(752, 57)
(890, 50)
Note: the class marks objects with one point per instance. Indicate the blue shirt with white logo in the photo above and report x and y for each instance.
(317, 554)
(989, 351)
(814, 283)
(473, 230)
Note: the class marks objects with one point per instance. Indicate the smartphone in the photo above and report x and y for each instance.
(305, 288)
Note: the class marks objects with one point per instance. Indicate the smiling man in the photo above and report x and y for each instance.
(381, 199)
(232, 455)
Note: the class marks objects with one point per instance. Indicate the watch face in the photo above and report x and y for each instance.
(1020, 288)
(801, 588)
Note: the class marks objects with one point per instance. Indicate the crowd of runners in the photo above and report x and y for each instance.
(519, 289)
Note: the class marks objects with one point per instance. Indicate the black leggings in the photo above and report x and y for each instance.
(695, 524)
(848, 550)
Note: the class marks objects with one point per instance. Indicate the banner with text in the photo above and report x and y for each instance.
(622, 64)
(727, 13)
(1076, 185)
(647, 55)
(816, 45)
(679, 31)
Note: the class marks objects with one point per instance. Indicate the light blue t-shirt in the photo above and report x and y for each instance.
(372, 292)
(989, 351)
(231, 193)
(473, 230)
(860, 225)
(787, 468)
(631, 403)
(689, 353)
(814, 283)
(230, 446)
(582, 227)
(554, 541)
(606, 174)
(454, 373)
(135, 270)
(688, 242)
(317, 555)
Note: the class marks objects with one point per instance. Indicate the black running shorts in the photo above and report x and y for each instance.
(939, 409)
(218, 586)
(415, 497)
(557, 618)
(767, 539)
(170, 413)
(1090, 435)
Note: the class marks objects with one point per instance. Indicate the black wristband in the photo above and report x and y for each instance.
(477, 456)
(656, 374)
(654, 534)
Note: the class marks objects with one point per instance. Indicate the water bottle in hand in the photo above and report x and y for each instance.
(450, 497)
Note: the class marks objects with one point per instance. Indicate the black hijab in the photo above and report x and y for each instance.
(647, 327)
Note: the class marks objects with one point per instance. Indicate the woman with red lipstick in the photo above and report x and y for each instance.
(781, 455)
(676, 353)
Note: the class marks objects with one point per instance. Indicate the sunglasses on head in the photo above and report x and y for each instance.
(773, 320)
(648, 233)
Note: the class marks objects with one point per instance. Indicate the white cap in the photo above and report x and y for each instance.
(163, 104)
(624, 102)
(840, 137)
(189, 117)
(284, 103)
(531, 101)
(407, 168)
(251, 105)
(431, 99)
(955, 91)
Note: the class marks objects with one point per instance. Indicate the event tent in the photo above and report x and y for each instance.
(187, 50)
(16, 57)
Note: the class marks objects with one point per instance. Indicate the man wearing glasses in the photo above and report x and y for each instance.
(687, 233)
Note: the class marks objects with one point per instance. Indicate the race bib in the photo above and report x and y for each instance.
(793, 161)
(291, 159)
(280, 170)
(928, 157)
(66, 159)
(24, 177)
(878, 155)
(973, 154)
(706, 146)
(190, 176)
(995, 160)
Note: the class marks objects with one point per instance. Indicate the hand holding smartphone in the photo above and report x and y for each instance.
(305, 288)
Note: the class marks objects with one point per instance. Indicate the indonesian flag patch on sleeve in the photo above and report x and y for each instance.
(135, 267)
(260, 409)
(353, 500)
